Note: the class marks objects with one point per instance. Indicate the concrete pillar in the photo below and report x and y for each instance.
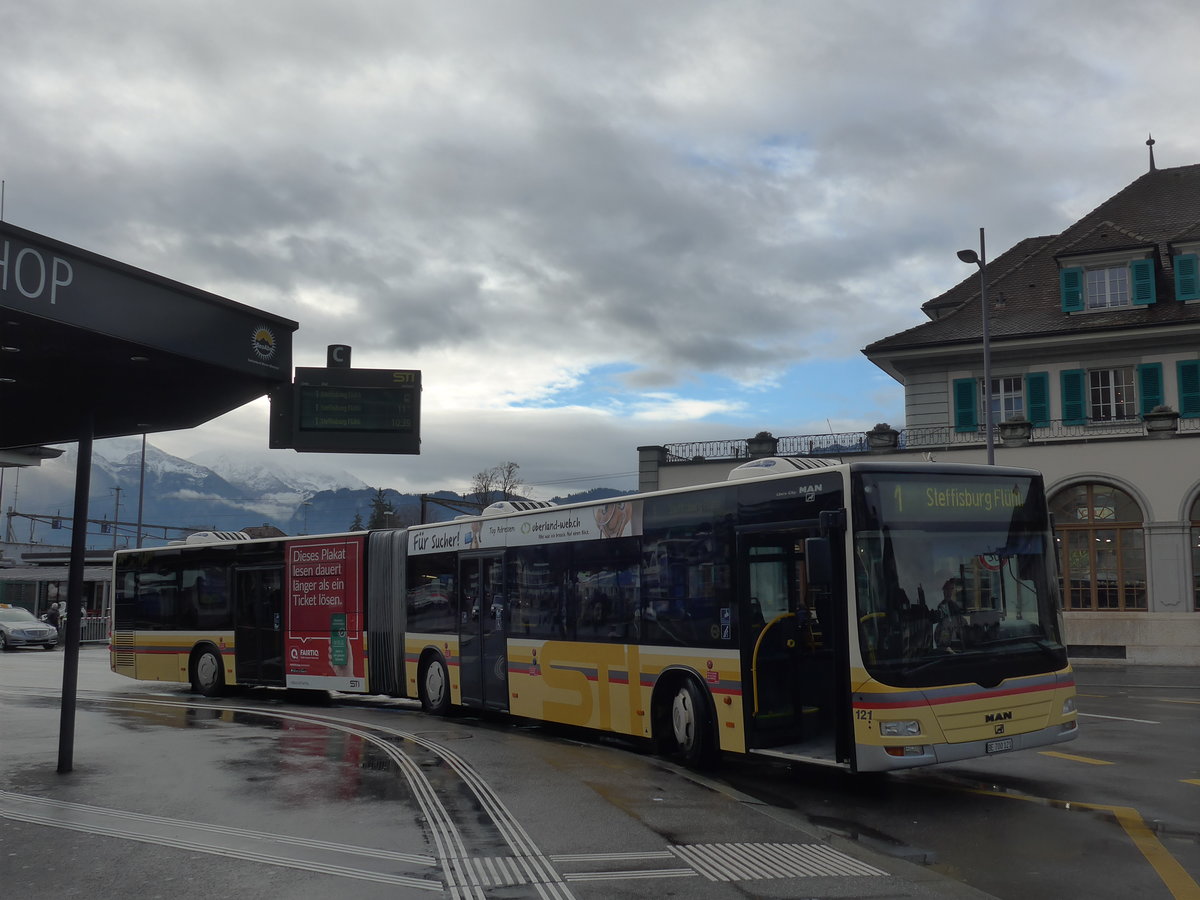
(650, 460)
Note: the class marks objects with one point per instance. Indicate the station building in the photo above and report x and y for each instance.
(1094, 338)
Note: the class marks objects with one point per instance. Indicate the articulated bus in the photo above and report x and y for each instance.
(870, 615)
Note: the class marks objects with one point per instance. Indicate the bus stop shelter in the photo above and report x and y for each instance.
(93, 348)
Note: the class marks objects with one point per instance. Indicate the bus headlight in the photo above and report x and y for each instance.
(1068, 706)
(900, 728)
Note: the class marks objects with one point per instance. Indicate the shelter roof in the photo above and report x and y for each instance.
(83, 335)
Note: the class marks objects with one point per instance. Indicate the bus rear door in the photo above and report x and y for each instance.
(258, 626)
(483, 631)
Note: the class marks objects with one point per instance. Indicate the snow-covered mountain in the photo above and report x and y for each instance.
(210, 492)
(259, 478)
(218, 493)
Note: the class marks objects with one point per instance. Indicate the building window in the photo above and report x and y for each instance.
(1111, 394)
(1102, 287)
(1107, 287)
(1196, 555)
(1008, 398)
(1102, 549)
(1013, 397)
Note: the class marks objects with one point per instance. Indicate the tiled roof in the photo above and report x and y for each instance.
(1161, 207)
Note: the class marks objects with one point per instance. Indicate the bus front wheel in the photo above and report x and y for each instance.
(688, 726)
(208, 673)
(434, 686)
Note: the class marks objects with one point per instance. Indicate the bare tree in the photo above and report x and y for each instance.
(482, 487)
(500, 482)
(508, 479)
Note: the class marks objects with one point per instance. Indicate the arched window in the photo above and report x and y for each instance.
(1102, 550)
(1195, 516)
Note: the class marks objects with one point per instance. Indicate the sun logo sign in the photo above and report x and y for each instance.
(263, 343)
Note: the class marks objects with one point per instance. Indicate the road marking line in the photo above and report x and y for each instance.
(1173, 876)
(1181, 885)
(634, 873)
(1119, 718)
(198, 837)
(1074, 758)
(1169, 700)
(1195, 781)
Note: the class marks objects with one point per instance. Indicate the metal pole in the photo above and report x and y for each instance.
(116, 516)
(141, 493)
(83, 478)
(987, 354)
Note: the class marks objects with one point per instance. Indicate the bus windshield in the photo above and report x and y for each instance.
(955, 579)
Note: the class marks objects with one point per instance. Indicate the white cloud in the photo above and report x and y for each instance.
(590, 226)
(669, 408)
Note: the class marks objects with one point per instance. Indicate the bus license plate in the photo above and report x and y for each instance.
(999, 746)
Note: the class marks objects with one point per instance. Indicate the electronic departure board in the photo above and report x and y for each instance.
(328, 408)
(344, 410)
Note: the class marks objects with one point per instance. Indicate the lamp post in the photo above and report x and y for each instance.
(980, 259)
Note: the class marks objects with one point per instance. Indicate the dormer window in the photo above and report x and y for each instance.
(1107, 287)
(1107, 284)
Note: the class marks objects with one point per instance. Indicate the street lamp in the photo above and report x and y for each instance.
(980, 259)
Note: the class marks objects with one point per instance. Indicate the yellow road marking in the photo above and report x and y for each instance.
(1074, 758)
(1195, 781)
(1176, 879)
(1181, 885)
(1168, 700)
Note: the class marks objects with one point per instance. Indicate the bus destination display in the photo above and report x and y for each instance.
(945, 499)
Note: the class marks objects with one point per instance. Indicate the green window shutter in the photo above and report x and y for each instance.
(1150, 386)
(1070, 287)
(1187, 277)
(1189, 388)
(1141, 273)
(1074, 404)
(1037, 398)
(966, 409)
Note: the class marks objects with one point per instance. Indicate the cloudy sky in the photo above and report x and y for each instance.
(592, 225)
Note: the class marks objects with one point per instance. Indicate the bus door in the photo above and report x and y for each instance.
(258, 626)
(483, 642)
(787, 638)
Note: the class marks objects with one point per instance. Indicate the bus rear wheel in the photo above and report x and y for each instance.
(208, 673)
(687, 727)
(433, 686)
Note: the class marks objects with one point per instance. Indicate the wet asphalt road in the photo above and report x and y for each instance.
(255, 795)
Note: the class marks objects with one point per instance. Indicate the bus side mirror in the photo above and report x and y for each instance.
(818, 561)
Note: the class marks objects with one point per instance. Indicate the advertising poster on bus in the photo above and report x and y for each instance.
(324, 644)
(621, 518)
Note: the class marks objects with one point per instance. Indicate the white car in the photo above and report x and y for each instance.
(21, 628)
